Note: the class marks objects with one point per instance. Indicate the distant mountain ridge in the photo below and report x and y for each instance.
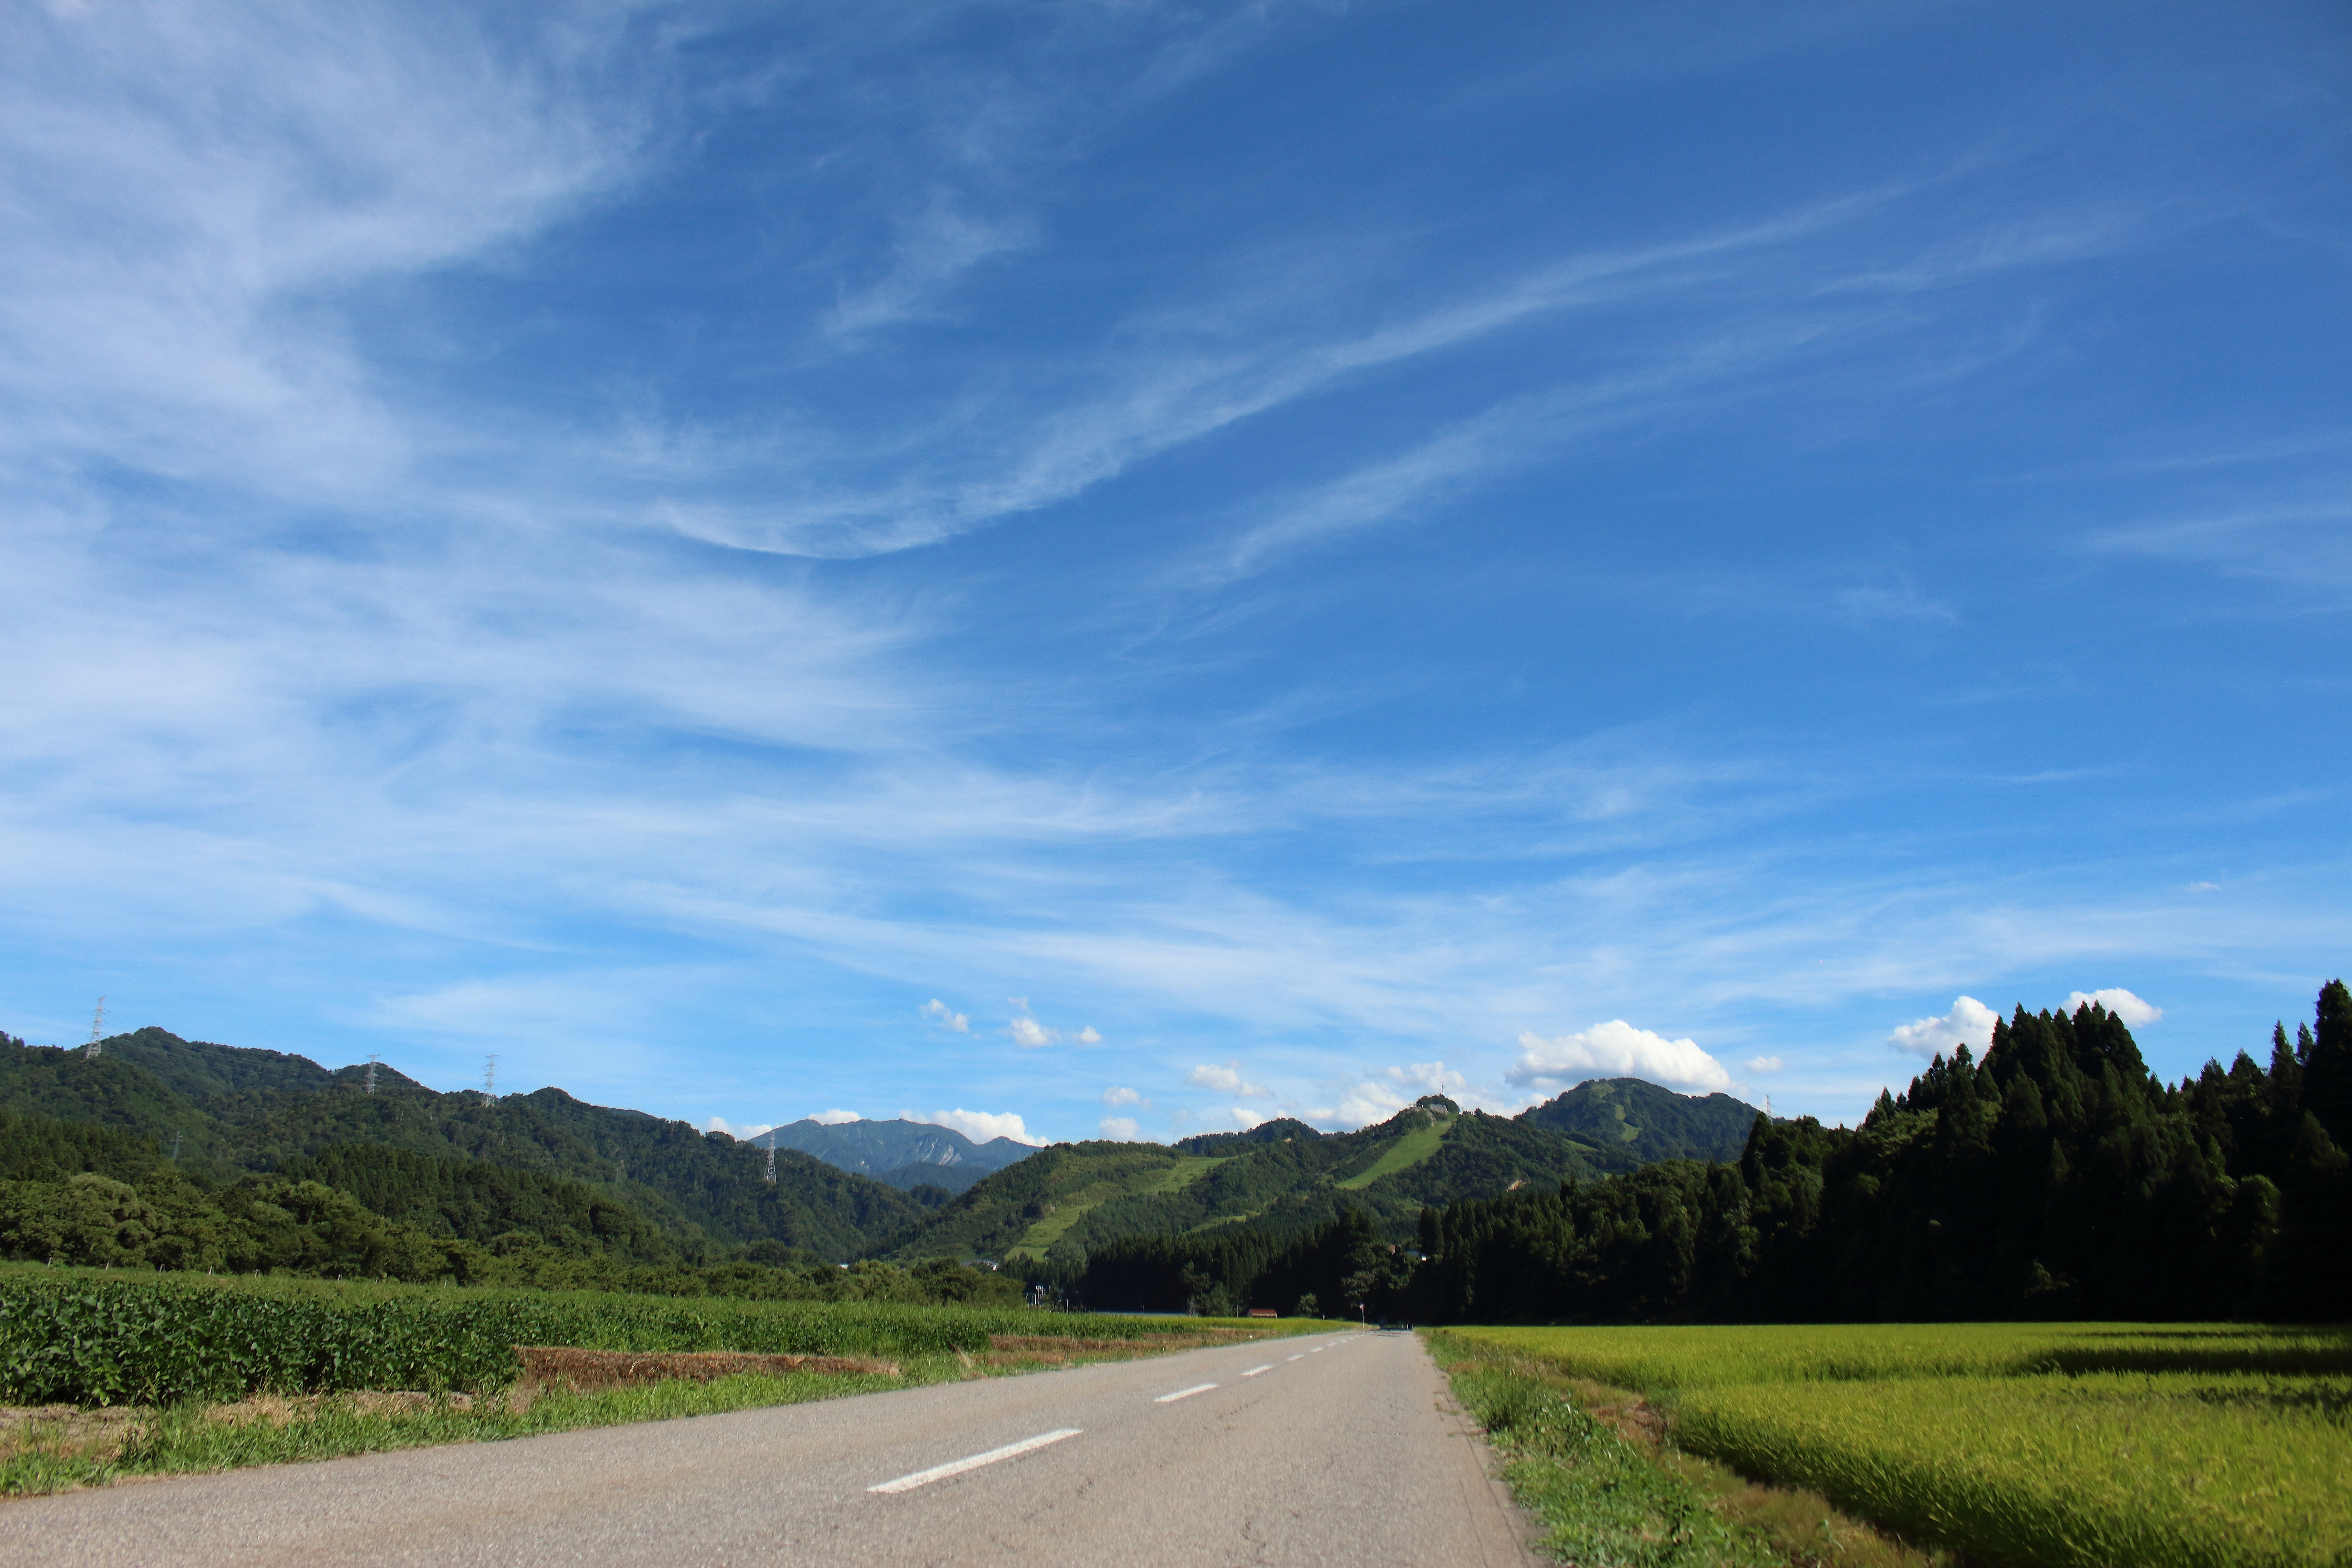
(842, 1191)
(226, 1111)
(1286, 1176)
(905, 1154)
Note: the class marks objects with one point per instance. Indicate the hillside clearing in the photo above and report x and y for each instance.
(1401, 1155)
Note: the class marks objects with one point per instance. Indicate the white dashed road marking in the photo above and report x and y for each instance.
(1183, 1393)
(941, 1472)
(1255, 1370)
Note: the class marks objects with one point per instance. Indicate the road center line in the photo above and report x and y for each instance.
(957, 1467)
(1255, 1370)
(1300, 1356)
(1183, 1393)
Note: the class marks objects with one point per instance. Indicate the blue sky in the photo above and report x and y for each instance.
(1265, 559)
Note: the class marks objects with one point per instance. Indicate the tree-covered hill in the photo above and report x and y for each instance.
(229, 1111)
(1623, 1123)
(1280, 1179)
(2057, 1178)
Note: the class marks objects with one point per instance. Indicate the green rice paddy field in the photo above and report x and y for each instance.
(2017, 1443)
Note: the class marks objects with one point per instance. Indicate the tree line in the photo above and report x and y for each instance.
(2056, 1178)
(84, 1193)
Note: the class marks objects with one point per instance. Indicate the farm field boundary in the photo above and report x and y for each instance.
(124, 1377)
(2174, 1445)
(1590, 1463)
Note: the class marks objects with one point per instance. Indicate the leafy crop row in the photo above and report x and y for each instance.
(93, 1339)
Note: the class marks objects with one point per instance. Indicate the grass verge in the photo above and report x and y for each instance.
(1594, 1465)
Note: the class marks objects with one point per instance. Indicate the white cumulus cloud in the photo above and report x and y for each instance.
(1029, 1034)
(939, 1012)
(835, 1117)
(1226, 1079)
(1360, 1105)
(2131, 1009)
(979, 1126)
(721, 1124)
(1428, 1078)
(1087, 1036)
(1246, 1119)
(1969, 1024)
(1120, 1129)
(1765, 1064)
(1123, 1097)
(1614, 1049)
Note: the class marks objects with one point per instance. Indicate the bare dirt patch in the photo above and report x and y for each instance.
(558, 1366)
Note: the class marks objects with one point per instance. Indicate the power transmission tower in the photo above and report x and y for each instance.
(490, 1077)
(96, 1023)
(771, 1159)
(371, 1073)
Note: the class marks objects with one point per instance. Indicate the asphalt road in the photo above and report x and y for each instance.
(1341, 1450)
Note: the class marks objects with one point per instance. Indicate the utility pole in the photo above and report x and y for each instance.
(490, 1077)
(370, 1074)
(96, 1023)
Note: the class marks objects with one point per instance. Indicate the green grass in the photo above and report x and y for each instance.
(1659, 1360)
(1600, 1500)
(2072, 1472)
(2062, 1445)
(1401, 1155)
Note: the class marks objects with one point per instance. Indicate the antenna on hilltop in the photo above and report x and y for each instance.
(370, 1084)
(491, 1076)
(96, 1023)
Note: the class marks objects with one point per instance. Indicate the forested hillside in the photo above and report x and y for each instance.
(1281, 1180)
(2057, 1178)
(1624, 1124)
(224, 1111)
(902, 1153)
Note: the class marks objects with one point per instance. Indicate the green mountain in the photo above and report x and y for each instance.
(1622, 1123)
(902, 1153)
(1282, 1177)
(228, 1111)
(624, 1184)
